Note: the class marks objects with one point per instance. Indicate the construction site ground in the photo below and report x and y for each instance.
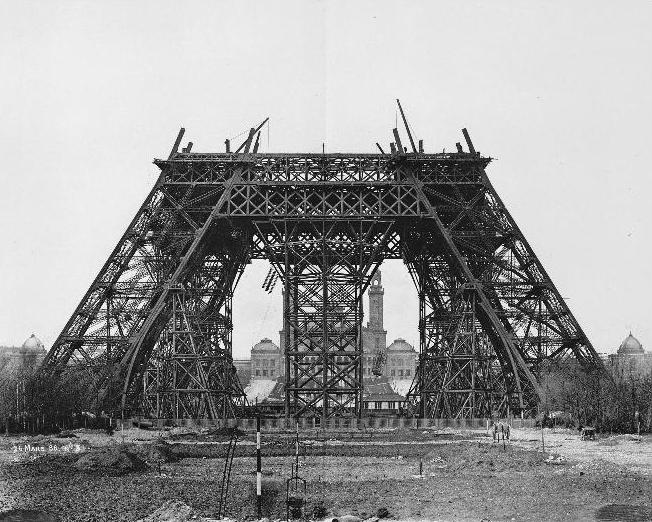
(399, 474)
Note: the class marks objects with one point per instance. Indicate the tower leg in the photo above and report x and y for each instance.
(459, 374)
(193, 357)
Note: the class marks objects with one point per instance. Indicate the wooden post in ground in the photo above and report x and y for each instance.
(259, 505)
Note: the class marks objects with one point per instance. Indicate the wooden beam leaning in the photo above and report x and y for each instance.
(177, 142)
(252, 132)
(257, 142)
(407, 128)
(469, 143)
(399, 145)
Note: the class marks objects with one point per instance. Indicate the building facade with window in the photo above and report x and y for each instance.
(379, 397)
(400, 358)
(266, 360)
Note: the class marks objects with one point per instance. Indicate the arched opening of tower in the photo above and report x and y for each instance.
(155, 331)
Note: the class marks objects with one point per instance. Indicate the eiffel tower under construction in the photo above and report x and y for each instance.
(154, 328)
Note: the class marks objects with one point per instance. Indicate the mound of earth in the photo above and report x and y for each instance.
(160, 451)
(171, 511)
(177, 511)
(112, 459)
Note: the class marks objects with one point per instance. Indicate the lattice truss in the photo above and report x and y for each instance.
(473, 238)
(154, 328)
(459, 373)
(166, 288)
(191, 373)
(326, 267)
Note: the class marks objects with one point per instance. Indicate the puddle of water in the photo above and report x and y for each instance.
(624, 513)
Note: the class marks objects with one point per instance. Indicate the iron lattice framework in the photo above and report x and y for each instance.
(326, 267)
(155, 326)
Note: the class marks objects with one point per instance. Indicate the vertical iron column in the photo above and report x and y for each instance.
(326, 267)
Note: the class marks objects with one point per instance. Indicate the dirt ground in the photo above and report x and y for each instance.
(406, 475)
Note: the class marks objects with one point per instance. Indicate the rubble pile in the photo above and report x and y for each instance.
(177, 511)
(152, 454)
(117, 460)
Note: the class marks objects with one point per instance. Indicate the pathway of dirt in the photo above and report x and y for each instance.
(629, 451)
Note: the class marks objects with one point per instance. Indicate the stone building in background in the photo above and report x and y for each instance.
(631, 360)
(374, 335)
(27, 356)
(401, 360)
(267, 360)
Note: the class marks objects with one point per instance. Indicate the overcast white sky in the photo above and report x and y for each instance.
(558, 92)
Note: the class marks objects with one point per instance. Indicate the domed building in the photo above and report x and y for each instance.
(266, 360)
(631, 360)
(26, 356)
(32, 345)
(401, 360)
(630, 346)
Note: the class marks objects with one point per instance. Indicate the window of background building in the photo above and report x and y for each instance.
(407, 373)
(264, 362)
(393, 373)
(366, 405)
(400, 373)
(272, 362)
(378, 405)
(271, 373)
(391, 405)
(258, 372)
(264, 373)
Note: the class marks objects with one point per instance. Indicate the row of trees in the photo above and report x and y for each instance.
(607, 400)
(620, 402)
(31, 401)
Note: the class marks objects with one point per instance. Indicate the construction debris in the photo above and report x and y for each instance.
(177, 511)
(116, 460)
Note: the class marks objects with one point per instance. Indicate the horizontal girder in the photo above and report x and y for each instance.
(327, 186)
(209, 214)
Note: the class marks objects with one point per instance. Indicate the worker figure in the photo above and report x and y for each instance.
(500, 429)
